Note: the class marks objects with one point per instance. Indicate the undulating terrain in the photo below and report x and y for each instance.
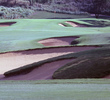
(54, 50)
(42, 49)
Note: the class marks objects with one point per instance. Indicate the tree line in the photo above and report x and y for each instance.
(38, 1)
(96, 7)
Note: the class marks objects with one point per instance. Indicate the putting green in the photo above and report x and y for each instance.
(25, 33)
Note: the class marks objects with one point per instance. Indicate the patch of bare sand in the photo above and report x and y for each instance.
(74, 24)
(43, 72)
(12, 60)
(58, 41)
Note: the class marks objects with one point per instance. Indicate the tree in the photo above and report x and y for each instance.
(97, 7)
(38, 1)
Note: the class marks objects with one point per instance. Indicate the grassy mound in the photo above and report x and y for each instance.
(84, 67)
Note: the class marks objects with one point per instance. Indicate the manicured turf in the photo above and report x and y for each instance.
(84, 89)
(25, 33)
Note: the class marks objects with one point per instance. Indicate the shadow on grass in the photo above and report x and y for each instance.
(96, 23)
(3, 24)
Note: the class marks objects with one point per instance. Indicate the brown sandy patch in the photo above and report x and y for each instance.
(58, 41)
(12, 60)
(43, 72)
(5, 24)
(61, 24)
(74, 24)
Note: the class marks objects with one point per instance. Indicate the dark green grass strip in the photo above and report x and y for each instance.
(66, 25)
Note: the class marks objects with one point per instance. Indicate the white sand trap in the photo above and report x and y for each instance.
(9, 61)
(57, 41)
(61, 25)
(74, 24)
(44, 71)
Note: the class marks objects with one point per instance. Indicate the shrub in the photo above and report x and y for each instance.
(14, 12)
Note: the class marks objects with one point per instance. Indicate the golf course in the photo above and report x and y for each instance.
(55, 58)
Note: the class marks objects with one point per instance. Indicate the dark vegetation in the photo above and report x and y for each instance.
(85, 67)
(64, 6)
(65, 25)
(95, 6)
(96, 23)
(92, 23)
(98, 7)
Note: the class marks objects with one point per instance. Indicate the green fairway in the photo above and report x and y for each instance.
(25, 33)
(84, 89)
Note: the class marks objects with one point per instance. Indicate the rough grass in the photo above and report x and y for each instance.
(84, 67)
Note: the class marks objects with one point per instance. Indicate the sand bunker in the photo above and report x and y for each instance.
(58, 41)
(72, 24)
(5, 24)
(14, 60)
(41, 73)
